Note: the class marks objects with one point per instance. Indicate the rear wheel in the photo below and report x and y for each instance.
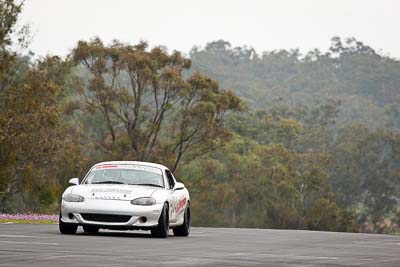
(67, 228)
(163, 224)
(184, 229)
(90, 229)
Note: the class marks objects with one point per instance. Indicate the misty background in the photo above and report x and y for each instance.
(180, 25)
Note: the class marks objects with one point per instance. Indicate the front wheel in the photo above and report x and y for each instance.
(163, 224)
(184, 229)
(67, 228)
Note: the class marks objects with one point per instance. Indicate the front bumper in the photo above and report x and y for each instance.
(71, 212)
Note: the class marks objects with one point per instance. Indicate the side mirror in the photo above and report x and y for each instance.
(74, 181)
(179, 186)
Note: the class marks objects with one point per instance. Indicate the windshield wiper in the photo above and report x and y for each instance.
(157, 185)
(108, 182)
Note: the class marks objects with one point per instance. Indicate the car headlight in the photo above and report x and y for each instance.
(144, 201)
(73, 198)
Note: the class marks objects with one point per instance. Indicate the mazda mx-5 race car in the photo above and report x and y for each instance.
(126, 195)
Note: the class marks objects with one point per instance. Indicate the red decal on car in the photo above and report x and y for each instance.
(181, 204)
(106, 166)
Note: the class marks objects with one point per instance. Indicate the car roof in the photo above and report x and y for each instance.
(149, 164)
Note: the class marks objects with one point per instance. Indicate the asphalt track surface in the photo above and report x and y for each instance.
(43, 245)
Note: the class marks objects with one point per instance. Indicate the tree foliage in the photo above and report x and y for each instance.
(33, 140)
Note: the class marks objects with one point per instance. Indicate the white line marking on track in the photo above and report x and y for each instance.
(288, 256)
(296, 256)
(34, 243)
(30, 236)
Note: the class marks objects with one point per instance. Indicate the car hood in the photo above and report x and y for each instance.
(111, 191)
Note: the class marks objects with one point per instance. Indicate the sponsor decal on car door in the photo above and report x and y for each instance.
(173, 196)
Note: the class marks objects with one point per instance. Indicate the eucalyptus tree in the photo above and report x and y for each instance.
(146, 100)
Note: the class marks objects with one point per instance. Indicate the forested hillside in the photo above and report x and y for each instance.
(277, 140)
(365, 82)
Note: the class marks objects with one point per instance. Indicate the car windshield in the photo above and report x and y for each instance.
(125, 174)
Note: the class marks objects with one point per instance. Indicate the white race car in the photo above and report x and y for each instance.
(126, 195)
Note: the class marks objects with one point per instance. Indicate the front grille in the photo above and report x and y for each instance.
(94, 217)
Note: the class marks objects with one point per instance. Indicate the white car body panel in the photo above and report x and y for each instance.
(115, 199)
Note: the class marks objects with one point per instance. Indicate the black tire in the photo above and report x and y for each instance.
(90, 229)
(184, 229)
(67, 228)
(163, 224)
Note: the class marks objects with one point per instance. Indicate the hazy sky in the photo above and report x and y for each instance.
(180, 24)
